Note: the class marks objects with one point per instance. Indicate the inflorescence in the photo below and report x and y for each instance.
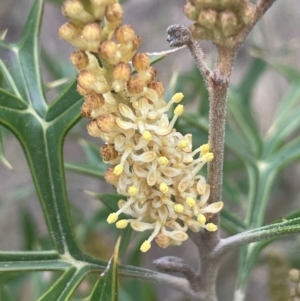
(153, 165)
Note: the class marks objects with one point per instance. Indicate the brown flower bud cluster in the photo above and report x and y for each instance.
(217, 20)
(151, 163)
(294, 277)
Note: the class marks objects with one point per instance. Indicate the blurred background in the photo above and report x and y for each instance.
(276, 37)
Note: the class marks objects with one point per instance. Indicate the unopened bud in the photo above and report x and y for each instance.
(69, 31)
(158, 87)
(122, 72)
(92, 32)
(110, 177)
(108, 152)
(124, 34)
(191, 12)
(73, 10)
(106, 122)
(141, 61)
(229, 23)
(135, 85)
(79, 59)
(94, 100)
(93, 129)
(162, 240)
(86, 110)
(107, 49)
(114, 12)
(207, 18)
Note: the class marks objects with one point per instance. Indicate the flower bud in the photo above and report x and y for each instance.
(114, 12)
(94, 100)
(248, 14)
(229, 23)
(89, 81)
(92, 32)
(82, 90)
(86, 110)
(124, 34)
(110, 177)
(106, 122)
(79, 59)
(207, 18)
(122, 72)
(158, 87)
(108, 152)
(69, 31)
(136, 41)
(152, 71)
(162, 240)
(93, 129)
(73, 10)
(107, 49)
(141, 62)
(135, 85)
(191, 12)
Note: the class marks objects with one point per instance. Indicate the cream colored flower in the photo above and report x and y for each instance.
(153, 165)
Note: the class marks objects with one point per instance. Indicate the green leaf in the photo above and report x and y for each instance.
(291, 74)
(65, 286)
(28, 229)
(106, 288)
(5, 295)
(286, 120)
(22, 70)
(2, 155)
(249, 81)
(246, 126)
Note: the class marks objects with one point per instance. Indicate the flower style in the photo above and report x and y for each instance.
(153, 165)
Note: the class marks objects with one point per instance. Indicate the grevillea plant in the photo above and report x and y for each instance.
(153, 161)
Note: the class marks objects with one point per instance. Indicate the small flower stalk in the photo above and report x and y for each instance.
(152, 164)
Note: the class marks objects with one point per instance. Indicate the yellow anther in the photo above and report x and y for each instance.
(183, 144)
(123, 223)
(204, 149)
(147, 135)
(132, 190)
(177, 97)
(163, 160)
(211, 227)
(208, 157)
(178, 110)
(178, 208)
(191, 202)
(145, 246)
(163, 187)
(112, 218)
(201, 219)
(118, 170)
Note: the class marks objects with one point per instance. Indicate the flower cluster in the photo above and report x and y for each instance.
(152, 164)
(217, 20)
